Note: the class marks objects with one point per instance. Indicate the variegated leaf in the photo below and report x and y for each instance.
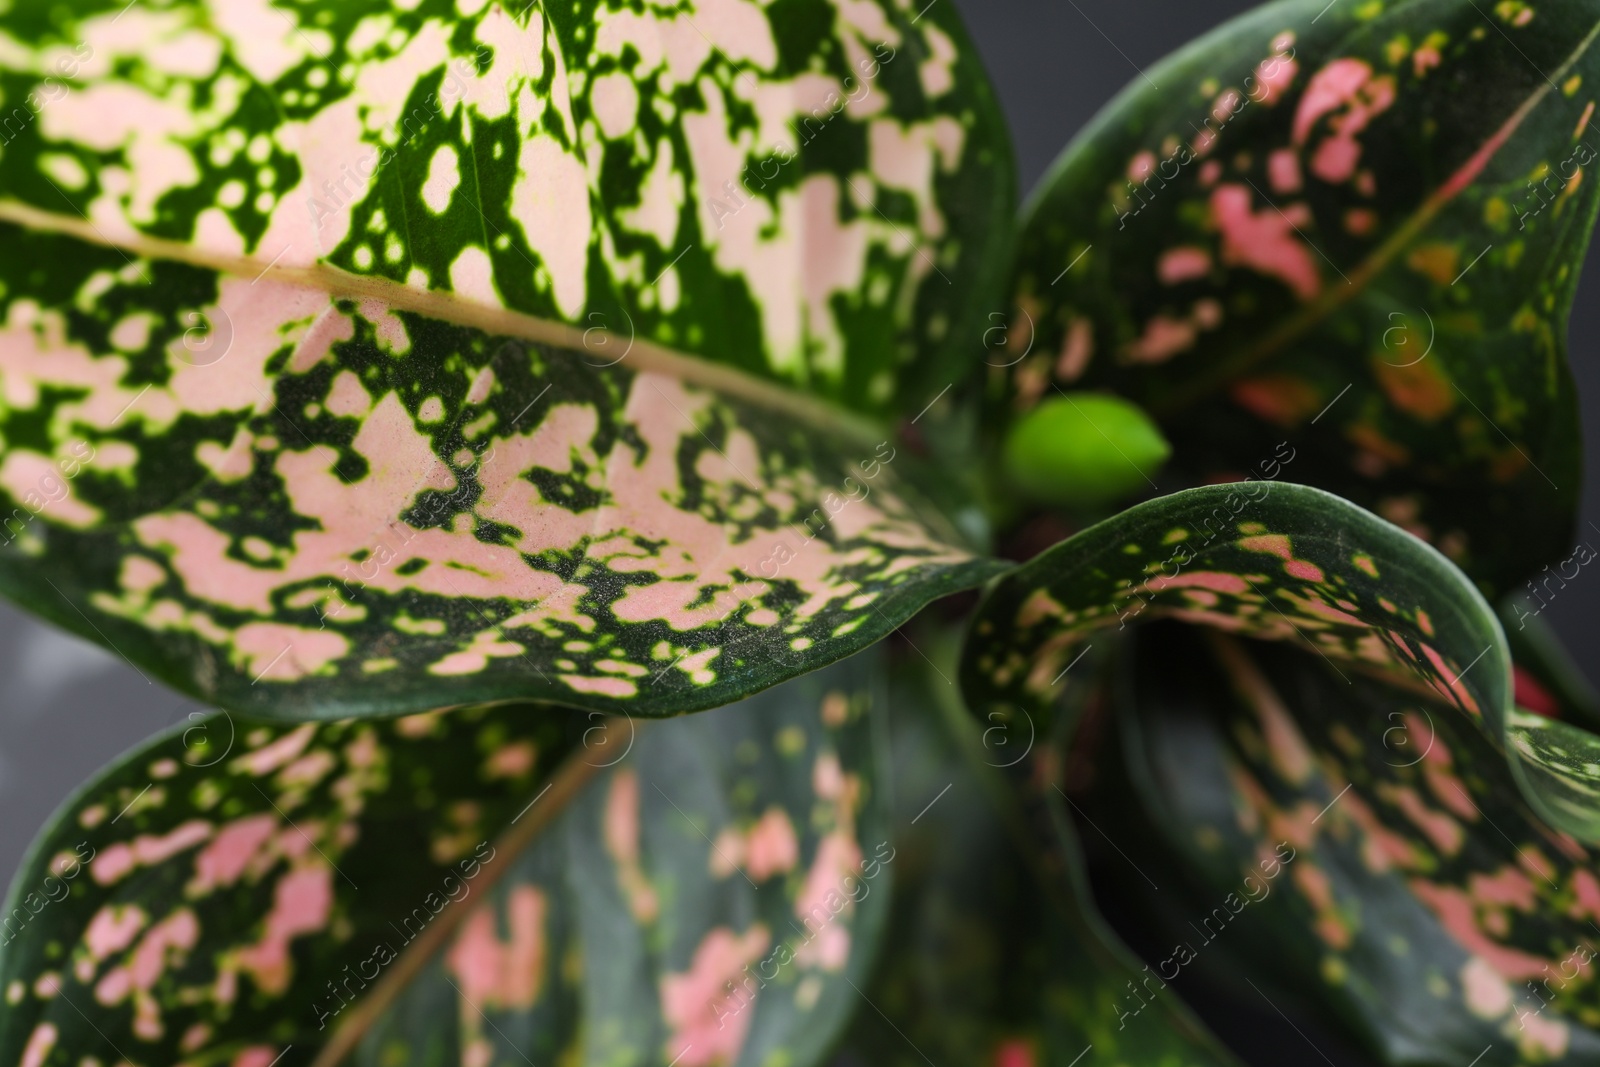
(1547, 681)
(1556, 712)
(1358, 226)
(349, 509)
(1281, 562)
(995, 954)
(193, 902)
(815, 193)
(306, 894)
(1423, 908)
(711, 901)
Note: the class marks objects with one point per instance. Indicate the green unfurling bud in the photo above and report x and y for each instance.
(1083, 449)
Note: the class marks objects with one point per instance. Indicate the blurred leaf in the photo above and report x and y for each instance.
(1419, 905)
(305, 894)
(995, 954)
(1352, 228)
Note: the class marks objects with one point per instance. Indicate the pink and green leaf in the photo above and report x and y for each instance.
(1353, 229)
(636, 178)
(1285, 562)
(1426, 909)
(356, 509)
(444, 889)
(193, 902)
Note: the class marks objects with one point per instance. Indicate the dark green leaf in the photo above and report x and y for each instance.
(995, 954)
(1419, 904)
(1357, 226)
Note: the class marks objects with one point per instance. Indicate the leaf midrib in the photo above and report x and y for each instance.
(565, 786)
(647, 356)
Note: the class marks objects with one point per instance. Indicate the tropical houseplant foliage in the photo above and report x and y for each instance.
(447, 390)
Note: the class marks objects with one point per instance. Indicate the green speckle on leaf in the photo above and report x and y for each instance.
(1083, 449)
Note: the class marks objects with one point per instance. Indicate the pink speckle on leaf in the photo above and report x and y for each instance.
(1458, 914)
(1164, 337)
(1265, 242)
(112, 864)
(302, 904)
(1541, 1038)
(1585, 896)
(1273, 544)
(115, 862)
(1335, 159)
(1215, 581)
(1076, 350)
(1345, 84)
(1305, 570)
(1534, 863)
(827, 778)
(1283, 170)
(1225, 106)
(1332, 87)
(1282, 399)
(1443, 831)
(823, 900)
(1507, 888)
(40, 1042)
(255, 1056)
(506, 975)
(1183, 264)
(621, 830)
(265, 760)
(1014, 1052)
(512, 761)
(709, 1025)
(113, 929)
(619, 688)
(772, 847)
(622, 817)
(1487, 993)
(222, 861)
(308, 770)
(1207, 313)
(1360, 221)
(1274, 75)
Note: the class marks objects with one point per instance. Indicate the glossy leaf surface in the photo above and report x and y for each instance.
(1422, 908)
(1281, 562)
(813, 193)
(347, 509)
(308, 895)
(1357, 228)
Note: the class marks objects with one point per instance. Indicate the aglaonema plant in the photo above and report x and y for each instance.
(446, 392)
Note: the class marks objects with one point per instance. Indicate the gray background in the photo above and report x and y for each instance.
(66, 707)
